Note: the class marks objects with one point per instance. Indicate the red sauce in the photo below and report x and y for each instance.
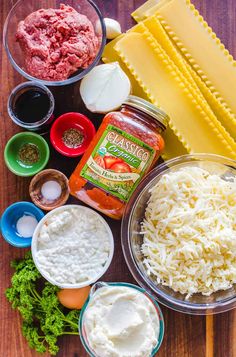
(126, 146)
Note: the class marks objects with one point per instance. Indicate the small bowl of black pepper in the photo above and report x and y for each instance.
(71, 134)
(26, 154)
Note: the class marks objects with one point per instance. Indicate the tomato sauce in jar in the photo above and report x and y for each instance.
(125, 147)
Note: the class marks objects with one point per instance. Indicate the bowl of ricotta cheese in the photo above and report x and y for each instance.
(72, 246)
(121, 320)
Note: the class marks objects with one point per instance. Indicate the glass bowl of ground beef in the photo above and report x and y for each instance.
(54, 42)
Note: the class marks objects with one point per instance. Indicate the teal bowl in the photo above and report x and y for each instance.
(17, 157)
(99, 285)
(9, 221)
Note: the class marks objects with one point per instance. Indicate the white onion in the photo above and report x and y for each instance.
(105, 88)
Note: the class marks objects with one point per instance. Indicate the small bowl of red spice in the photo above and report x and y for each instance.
(71, 134)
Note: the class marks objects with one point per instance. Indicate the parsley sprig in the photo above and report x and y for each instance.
(44, 318)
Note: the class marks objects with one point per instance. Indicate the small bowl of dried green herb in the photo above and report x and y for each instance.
(26, 154)
(71, 134)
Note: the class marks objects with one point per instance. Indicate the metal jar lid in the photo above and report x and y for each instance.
(148, 108)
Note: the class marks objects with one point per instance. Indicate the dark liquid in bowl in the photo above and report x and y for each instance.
(32, 106)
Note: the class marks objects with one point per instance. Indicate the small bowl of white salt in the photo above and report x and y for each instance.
(19, 222)
(72, 246)
(49, 189)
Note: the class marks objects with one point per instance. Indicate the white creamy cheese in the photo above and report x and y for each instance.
(73, 245)
(121, 322)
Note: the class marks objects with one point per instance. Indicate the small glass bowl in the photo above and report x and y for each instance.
(132, 239)
(41, 125)
(99, 285)
(25, 7)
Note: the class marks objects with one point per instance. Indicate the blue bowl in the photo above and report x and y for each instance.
(10, 218)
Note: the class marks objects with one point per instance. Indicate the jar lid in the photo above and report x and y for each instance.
(148, 108)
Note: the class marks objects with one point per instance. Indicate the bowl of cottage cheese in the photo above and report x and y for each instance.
(72, 246)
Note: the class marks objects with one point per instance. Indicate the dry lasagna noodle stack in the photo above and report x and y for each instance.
(175, 60)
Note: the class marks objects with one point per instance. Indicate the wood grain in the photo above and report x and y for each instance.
(185, 336)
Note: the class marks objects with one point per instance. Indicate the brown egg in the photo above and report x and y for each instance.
(73, 298)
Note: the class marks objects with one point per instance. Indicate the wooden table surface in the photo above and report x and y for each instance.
(185, 336)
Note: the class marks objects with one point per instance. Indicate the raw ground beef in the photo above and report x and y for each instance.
(57, 42)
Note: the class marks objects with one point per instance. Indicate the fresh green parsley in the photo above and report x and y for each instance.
(44, 318)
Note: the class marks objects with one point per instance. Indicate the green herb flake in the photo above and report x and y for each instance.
(28, 154)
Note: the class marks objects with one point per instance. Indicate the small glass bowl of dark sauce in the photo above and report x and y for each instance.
(31, 106)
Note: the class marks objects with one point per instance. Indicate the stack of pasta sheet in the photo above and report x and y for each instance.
(173, 59)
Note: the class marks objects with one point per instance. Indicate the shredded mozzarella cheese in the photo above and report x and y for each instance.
(189, 232)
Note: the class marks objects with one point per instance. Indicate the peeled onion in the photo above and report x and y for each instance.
(105, 88)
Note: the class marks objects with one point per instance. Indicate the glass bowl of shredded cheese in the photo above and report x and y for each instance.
(179, 234)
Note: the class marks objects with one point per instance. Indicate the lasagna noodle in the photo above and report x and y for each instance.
(139, 13)
(173, 146)
(192, 87)
(223, 114)
(167, 10)
(189, 122)
(150, 7)
(110, 55)
(201, 48)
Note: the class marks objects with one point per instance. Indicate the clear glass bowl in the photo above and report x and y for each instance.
(132, 239)
(25, 7)
(99, 285)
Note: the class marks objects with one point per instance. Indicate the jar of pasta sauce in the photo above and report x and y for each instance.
(125, 147)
